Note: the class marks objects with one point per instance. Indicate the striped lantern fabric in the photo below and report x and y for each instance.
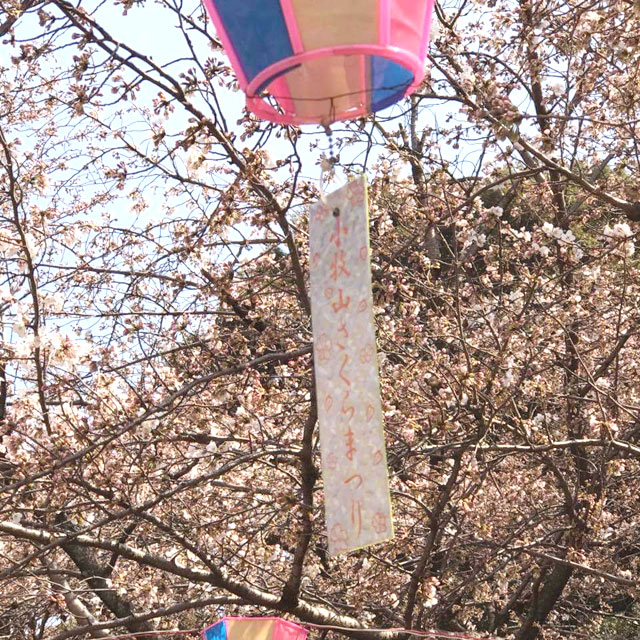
(269, 628)
(318, 61)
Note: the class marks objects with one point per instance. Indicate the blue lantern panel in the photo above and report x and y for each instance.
(389, 82)
(257, 31)
(217, 632)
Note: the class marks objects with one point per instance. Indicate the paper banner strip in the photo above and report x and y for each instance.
(354, 464)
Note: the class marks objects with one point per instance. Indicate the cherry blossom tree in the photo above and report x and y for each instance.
(159, 448)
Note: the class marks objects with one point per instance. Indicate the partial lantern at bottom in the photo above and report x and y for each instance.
(259, 628)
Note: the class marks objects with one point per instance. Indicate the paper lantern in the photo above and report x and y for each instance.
(254, 629)
(323, 60)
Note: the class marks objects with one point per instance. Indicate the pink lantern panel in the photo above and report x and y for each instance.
(318, 61)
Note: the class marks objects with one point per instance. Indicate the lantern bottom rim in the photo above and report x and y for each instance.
(344, 106)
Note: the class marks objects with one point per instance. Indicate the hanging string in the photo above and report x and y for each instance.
(332, 157)
(328, 163)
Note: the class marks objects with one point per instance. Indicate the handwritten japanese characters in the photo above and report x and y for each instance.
(354, 468)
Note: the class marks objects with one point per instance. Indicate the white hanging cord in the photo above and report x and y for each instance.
(327, 164)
